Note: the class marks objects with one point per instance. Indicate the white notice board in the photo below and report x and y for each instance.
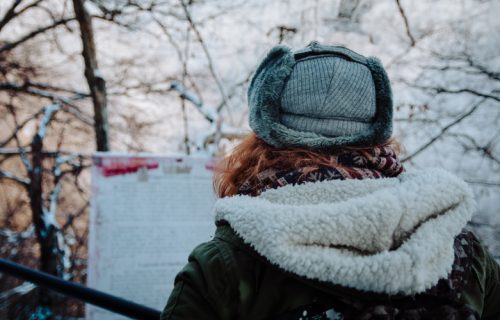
(147, 214)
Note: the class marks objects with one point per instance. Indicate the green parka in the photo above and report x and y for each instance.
(242, 274)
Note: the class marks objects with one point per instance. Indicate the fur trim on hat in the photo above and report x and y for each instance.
(267, 85)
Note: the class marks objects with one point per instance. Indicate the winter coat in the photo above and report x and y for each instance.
(354, 247)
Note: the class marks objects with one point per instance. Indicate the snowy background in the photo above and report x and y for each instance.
(176, 71)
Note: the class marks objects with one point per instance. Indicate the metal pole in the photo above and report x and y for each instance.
(83, 293)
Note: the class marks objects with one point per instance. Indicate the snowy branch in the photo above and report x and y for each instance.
(48, 112)
(8, 175)
(209, 113)
(13, 236)
(22, 289)
(217, 129)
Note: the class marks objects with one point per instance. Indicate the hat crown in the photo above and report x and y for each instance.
(320, 97)
(329, 95)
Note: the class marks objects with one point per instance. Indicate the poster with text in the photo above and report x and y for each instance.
(147, 215)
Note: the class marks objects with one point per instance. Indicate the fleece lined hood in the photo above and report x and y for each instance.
(391, 235)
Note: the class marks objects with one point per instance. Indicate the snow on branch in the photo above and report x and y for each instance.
(22, 289)
(9, 175)
(209, 113)
(13, 236)
(217, 129)
(48, 112)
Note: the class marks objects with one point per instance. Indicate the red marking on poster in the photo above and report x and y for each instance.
(115, 167)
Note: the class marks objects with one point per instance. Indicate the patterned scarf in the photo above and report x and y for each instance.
(379, 162)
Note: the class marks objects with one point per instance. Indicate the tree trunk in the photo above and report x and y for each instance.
(45, 229)
(95, 80)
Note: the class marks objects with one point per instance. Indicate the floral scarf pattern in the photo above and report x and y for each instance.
(379, 162)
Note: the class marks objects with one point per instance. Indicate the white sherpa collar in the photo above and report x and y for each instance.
(392, 235)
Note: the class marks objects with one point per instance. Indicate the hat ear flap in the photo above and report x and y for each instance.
(264, 93)
(383, 118)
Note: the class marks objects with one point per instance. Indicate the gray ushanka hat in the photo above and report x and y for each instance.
(320, 97)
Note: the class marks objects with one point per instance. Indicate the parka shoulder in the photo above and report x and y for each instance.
(483, 288)
(204, 288)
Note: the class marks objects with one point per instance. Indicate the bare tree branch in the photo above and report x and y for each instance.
(12, 13)
(185, 121)
(491, 74)
(11, 45)
(486, 150)
(439, 90)
(466, 90)
(49, 87)
(484, 183)
(68, 105)
(443, 131)
(20, 126)
(407, 24)
(46, 153)
(208, 56)
(347, 8)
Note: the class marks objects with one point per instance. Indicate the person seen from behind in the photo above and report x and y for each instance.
(318, 219)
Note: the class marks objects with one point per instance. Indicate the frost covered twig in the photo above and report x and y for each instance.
(209, 113)
(13, 236)
(24, 288)
(11, 176)
(217, 128)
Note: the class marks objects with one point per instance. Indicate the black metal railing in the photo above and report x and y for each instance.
(80, 292)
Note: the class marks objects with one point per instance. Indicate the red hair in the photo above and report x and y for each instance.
(253, 156)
